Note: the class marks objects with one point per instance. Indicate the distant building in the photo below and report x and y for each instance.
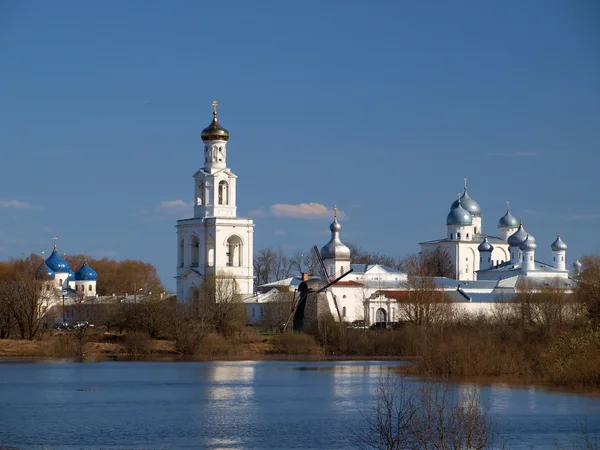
(511, 252)
(58, 273)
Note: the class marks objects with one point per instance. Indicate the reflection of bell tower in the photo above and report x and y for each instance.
(215, 242)
(214, 183)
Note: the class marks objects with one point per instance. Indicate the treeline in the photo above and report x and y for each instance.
(274, 264)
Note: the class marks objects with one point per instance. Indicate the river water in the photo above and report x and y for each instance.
(242, 404)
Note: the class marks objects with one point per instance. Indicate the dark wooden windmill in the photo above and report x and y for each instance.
(308, 291)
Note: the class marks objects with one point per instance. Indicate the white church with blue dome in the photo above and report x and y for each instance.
(58, 273)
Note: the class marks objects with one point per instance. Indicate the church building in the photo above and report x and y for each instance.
(510, 253)
(214, 242)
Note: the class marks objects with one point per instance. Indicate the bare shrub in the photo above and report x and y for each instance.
(433, 415)
(296, 344)
(61, 346)
(574, 358)
(215, 345)
(138, 343)
(189, 335)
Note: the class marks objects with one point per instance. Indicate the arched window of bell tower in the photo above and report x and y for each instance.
(234, 251)
(181, 253)
(210, 251)
(223, 193)
(200, 194)
(195, 251)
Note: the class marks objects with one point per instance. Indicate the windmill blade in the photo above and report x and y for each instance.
(321, 263)
(331, 283)
(292, 312)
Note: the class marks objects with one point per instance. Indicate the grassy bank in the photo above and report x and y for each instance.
(562, 356)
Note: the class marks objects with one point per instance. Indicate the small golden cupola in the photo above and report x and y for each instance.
(215, 132)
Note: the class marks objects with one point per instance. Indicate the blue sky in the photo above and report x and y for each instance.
(379, 107)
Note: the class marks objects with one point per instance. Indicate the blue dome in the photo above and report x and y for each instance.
(459, 216)
(558, 245)
(86, 273)
(56, 263)
(508, 221)
(44, 272)
(71, 276)
(469, 204)
(528, 244)
(517, 238)
(485, 246)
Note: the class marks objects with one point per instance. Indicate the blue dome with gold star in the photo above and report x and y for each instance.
(86, 273)
(56, 263)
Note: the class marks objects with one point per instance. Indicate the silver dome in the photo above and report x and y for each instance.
(335, 249)
(469, 204)
(577, 264)
(485, 246)
(528, 244)
(508, 221)
(558, 245)
(459, 216)
(517, 238)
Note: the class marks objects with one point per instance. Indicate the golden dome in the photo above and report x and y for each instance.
(215, 132)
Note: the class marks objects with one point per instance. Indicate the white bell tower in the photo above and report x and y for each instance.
(215, 242)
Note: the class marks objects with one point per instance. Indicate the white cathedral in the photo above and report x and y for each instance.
(214, 242)
(476, 256)
(217, 243)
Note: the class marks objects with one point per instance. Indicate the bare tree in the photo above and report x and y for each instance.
(430, 416)
(263, 265)
(430, 263)
(220, 304)
(277, 311)
(305, 262)
(282, 265)
(588, 292)
(26, 296)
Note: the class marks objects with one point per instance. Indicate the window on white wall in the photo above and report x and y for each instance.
(344, 311)
(223, 193)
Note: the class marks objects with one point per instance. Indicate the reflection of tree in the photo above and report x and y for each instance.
(428, 416)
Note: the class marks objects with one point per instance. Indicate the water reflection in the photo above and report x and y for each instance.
(249, 404)
(232, 381)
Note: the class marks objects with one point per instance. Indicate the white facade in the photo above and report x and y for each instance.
(215, 242)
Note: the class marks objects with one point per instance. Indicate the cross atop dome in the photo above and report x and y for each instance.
(54, 239)
(335, 211)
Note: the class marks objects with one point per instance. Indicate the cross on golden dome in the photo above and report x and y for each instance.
(214, 105)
